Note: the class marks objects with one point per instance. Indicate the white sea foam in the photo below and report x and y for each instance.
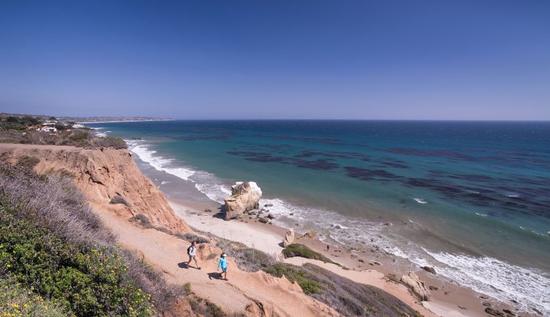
(158, 162)
(215, 192)
(486, 275)
(503, 281)
(420, 201)
(481, 214)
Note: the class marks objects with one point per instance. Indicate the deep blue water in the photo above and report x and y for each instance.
(475, 189)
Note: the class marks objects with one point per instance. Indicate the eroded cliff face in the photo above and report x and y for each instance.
(108, 178)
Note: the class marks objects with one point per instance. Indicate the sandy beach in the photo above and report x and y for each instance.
(362, 266)
(165, 251)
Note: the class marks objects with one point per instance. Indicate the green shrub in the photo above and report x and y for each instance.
(52, 244)
(295, 274)
(86, 281)
(15, 300)
(301, 250)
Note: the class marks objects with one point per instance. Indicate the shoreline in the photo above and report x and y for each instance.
(389, 264)
(122, 121)
(375, 268)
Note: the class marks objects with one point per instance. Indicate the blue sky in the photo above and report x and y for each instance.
(277, 59)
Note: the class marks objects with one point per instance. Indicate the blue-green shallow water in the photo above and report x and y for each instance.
(471, 198)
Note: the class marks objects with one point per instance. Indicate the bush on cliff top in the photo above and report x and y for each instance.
(52, 244)
(295, 274)
(303, 251)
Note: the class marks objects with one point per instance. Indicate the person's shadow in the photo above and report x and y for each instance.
(215, 276)
(183, 265)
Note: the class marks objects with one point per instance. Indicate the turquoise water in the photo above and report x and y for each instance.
(470, 198)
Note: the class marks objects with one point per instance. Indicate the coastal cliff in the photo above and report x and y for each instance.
(119, 193)
(108, 178)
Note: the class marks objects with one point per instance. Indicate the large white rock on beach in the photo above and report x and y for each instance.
(416, 286)
(245, 196)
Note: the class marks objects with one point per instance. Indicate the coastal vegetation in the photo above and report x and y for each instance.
(297, 249)
(27, 129)
(17, 301)
(347, 297)
(54, 250)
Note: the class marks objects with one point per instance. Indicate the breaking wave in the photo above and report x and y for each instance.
(509, 283)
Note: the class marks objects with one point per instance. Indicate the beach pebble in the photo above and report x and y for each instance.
(263, 220)
(433, 288)
(429, 269)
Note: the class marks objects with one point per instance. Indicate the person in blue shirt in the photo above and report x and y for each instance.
(222, 265)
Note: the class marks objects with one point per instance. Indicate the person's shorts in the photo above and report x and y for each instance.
(224, 270)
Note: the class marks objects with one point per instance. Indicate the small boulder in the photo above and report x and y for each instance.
(412, 281)
(429, 269)
(263, 220)
(289, 238)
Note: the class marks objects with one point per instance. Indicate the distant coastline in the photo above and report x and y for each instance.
(119, 120)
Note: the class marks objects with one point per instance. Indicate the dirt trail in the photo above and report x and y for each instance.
(238, 295)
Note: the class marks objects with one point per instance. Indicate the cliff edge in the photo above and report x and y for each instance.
(109, 179)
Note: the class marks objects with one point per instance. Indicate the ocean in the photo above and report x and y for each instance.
(471, 199)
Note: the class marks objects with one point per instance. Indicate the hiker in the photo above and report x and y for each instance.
(192, 253)
(222, 265)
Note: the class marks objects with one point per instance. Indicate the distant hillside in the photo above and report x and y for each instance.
(45, 130)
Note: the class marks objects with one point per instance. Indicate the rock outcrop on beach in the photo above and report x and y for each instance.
(412, 281)
(289, 238)
(108, 178)
(245, 196)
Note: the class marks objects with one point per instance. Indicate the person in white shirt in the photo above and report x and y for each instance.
(192, 253)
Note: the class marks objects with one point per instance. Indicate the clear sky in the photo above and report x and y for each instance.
(337, 59)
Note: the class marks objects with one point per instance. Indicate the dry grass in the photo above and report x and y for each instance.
(53, 202)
